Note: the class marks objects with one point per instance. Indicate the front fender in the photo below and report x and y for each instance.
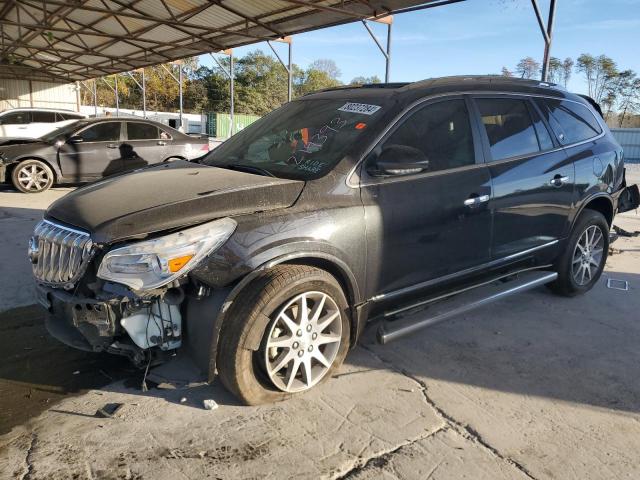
(206, 316)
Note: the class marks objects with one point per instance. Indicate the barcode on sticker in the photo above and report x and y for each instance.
(363, 108)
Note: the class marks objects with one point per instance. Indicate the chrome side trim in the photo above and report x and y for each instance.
(462, 273)
(428, 98)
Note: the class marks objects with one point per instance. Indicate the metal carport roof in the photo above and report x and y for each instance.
(81, 39)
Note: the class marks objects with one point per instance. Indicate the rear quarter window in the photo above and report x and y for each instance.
(571, 122)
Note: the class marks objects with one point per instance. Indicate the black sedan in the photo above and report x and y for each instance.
(88, 150)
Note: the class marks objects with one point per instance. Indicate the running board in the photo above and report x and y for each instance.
(461, 303)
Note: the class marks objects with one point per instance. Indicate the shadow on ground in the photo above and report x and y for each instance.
(36, 370)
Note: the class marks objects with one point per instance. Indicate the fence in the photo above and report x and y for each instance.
(219, 124)
(629, 138)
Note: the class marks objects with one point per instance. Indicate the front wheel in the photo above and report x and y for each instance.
(32, 176)
(581, 264)
(286, 332)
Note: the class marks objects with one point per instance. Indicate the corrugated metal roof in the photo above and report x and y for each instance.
(83, 39)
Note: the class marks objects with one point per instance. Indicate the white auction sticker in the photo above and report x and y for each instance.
(360, 108)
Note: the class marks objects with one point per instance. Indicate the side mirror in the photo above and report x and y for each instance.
(75, 139)
(400, 160)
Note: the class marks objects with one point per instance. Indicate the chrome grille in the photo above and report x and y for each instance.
(59, 254)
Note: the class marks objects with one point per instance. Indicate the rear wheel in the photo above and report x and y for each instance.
(287, 332)
(32, 176)
(582, 263)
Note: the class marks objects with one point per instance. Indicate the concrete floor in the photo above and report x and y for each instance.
(535, 386)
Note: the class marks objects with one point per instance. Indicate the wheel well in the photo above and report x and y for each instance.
(12, 166)
(602, 205)
(341, 277)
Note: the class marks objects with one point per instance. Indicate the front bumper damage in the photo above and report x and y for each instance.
(135, 328)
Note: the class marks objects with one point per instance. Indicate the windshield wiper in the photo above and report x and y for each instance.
(247, 168)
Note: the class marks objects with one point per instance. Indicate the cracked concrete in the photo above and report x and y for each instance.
(533, 387)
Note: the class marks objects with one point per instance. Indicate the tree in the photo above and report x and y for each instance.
(365, 80)
(505, 72)
(528, 68)
(567, 69)
(555, 72)
(600, 74)
(628, 94)
(327, 66)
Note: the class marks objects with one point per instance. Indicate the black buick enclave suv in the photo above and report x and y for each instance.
(403, 202)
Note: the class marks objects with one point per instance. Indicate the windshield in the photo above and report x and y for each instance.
(302, 140)
(63, 132)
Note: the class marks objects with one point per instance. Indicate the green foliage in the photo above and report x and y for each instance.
(365, 80)
(260, 85)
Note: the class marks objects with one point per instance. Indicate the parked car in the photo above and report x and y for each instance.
(88, 150)
(34, 122)
(265, 259)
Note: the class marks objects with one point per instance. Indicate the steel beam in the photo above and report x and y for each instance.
(547, 46)
(287, 66)
(386, 52)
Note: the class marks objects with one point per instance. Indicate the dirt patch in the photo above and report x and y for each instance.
(37, 371)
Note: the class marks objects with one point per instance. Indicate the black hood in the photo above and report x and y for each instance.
(167, 196)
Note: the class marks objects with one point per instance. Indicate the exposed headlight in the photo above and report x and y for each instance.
(153, 263)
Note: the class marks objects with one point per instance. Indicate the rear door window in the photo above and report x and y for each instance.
(142, 131)
(571, 122)
(43, 117)
(102, 132)
(509, 127)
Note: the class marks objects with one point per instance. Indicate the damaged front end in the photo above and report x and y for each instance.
(125, 300)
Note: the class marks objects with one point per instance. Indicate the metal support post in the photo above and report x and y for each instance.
(95, 98)
(287, 66)
(388, 20)
(547, 34)
(117, 97)
(141, 87)
(144, 95)
(230, 75)
(115, 91)
(180, 93)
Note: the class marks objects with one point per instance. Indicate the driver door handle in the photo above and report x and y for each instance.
(559, 180)
(162, 143)
(476, 200)
(112, 145)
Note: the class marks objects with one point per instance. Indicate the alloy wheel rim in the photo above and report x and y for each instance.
(33, 177)
(588, 255)
(303, 341)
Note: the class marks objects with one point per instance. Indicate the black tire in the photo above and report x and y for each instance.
(242, 343)
(567, 284)
(32, 176)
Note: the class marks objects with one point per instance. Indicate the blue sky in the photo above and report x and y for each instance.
(475, 37)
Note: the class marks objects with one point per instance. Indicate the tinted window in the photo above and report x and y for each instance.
(509, 127)
(67, 116)
(544, 136)
(571, 122)
(15, 118)
(441, 131)
(43, 117)
(102, 132)
(141, 131)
